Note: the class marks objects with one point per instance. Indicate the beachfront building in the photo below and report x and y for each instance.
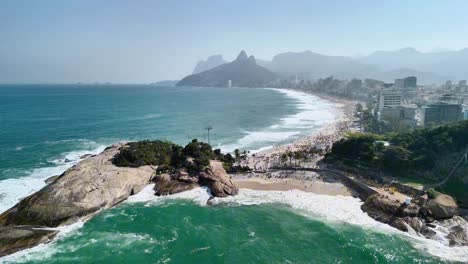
(404, 115)
(388, 98)
(440, 113)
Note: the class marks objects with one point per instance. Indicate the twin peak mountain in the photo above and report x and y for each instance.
(242, 72)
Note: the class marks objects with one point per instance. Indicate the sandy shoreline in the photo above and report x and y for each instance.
(317, 186)
(262, 163)
(311, 147)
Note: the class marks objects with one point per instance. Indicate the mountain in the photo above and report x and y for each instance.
(167, 83)
(210, 63)
(243, 72)
(310, 65)
(449, 63)
(431, 67)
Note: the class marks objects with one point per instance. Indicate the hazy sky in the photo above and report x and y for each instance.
(145, 41)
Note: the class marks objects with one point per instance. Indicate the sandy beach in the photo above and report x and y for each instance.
(264, 160)
(265, 164)
(313, 186)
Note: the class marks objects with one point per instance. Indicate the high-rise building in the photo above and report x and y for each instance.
(462, 83)
(411, 82)
(408, 82)
(388, 98)
(440, 113)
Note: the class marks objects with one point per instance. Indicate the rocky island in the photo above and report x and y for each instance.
(105, 180)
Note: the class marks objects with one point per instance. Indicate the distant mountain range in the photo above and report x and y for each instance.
(209, 63)
(432, 67)
(243, 72)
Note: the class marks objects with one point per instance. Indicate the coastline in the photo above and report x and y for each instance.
(300, 183)
(316, 186)
(324, 138)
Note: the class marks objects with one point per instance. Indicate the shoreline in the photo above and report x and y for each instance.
(316, 186)
(323, 138)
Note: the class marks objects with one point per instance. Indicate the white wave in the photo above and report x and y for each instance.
(43, 251)
(314, 113)
(330, 209)
(199, 196)
(14, 189)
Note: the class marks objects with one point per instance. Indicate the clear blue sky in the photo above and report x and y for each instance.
(144, 41)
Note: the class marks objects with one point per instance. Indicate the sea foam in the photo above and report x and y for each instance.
(314, 113)
(329, 209)
(14, 189)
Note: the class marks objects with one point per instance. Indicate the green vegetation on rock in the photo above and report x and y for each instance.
(194, 157)
(427, 154)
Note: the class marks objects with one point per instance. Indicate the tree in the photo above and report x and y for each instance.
(237, 154)
(290, 156)
(297, 157)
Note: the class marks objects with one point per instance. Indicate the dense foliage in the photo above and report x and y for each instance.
(194, 157)
(427, 154)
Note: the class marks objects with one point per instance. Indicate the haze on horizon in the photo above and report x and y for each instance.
(56, 41)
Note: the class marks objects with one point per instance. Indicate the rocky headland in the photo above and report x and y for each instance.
(432, 215)
(102, 181)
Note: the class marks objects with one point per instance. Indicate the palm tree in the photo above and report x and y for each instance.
(290, 155)
(237, 154)
(284, 158)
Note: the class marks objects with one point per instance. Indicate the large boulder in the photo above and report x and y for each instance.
(399, 223)
(81, 191)
(415, 222)
(381, 208)
(219, 182)
(166, 184)
(442, 207)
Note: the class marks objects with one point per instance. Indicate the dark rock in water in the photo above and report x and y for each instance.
(427, 232)
(16, 238)
(458, 236)
(399, 223)
(219, 182)
(415, 223)
(442, 207)
(67, 160)
(165, 185)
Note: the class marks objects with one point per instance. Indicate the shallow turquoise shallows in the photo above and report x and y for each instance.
(45, 129)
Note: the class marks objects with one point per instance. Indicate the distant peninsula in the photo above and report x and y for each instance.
(242, 72)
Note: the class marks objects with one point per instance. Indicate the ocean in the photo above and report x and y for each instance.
(45, 129)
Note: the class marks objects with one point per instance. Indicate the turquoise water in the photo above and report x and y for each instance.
(45, 129)
(182, 231)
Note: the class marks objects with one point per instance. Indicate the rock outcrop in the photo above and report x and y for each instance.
(80, 192)
(166, 184)
(13, 238)
(214, 177)
(86, 188)
(442, 207)
(219, 182)
(421, 216)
